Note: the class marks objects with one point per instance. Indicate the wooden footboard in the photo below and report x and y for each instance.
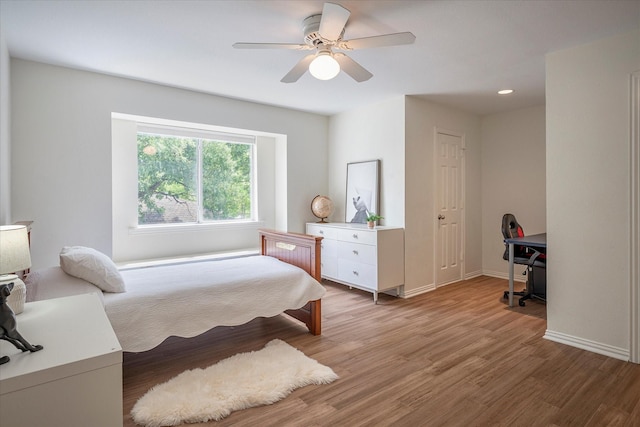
(302, 251)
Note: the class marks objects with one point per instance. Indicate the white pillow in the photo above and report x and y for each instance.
(92, 266)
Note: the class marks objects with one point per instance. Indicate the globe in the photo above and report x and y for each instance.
(322, 207)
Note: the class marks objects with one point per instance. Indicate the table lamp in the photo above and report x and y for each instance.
(14, 257)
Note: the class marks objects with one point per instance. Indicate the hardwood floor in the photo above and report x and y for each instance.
(457, 356)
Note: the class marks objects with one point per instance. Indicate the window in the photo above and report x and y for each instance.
(192, 176)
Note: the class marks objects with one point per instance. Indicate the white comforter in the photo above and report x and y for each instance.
(188, 299)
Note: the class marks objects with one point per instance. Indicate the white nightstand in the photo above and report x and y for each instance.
(75, 380)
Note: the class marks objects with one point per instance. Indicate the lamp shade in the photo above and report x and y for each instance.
(324, 66)
(14, 249)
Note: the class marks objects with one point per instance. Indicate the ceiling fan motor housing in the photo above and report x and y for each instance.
(311, 27)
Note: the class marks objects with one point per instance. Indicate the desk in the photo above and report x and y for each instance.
(534, 241)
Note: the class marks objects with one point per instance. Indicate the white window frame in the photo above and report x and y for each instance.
(146, 243)
(204, 134)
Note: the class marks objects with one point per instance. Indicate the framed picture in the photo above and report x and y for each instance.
(363, 189)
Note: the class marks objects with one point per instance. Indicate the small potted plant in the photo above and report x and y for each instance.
(372, 218)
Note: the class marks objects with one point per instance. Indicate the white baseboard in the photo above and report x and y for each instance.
(418, 291)
(473, 274)
(585, 344)
(517, 277)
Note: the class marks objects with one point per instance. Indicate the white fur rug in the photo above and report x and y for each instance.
(239, 382)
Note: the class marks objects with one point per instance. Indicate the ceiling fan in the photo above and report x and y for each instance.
(323, 33)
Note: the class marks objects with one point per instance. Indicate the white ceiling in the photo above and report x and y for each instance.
(464, 51)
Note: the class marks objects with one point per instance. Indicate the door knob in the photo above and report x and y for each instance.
(440, 216)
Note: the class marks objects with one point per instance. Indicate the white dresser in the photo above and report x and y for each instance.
(75, 380)
(368, 259)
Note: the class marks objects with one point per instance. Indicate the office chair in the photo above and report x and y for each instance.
(534, 260)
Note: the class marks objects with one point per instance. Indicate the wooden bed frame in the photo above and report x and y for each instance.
(303, 251)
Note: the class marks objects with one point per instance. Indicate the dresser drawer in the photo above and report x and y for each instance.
(360, 274)
(329, 258)
(329, 268)
(357, 236)
(357, 252)
(322, 231)
(329, 248)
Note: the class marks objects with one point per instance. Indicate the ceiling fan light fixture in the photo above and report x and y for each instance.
(324, 32)
(324, 66)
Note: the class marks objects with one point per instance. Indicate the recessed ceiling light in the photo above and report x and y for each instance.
(505, 91)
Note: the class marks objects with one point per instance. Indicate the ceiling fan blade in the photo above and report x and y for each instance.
(298, 70)
(351, 67)
(334, 18)
(294, 46)
(377, 41)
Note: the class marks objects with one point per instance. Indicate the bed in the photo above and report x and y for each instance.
(190, 298)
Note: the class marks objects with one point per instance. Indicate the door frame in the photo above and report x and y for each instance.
(634, 236)
(439, 130)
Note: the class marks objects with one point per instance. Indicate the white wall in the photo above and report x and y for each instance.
(5, 134)
(513, 179)
(422, 119)
(369, 133)
(62, 134)
(588, 193)
(400, 132)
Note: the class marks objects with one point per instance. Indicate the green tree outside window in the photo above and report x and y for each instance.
(169, 179)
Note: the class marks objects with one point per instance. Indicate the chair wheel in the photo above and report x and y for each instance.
(505, 295)
(521, 303)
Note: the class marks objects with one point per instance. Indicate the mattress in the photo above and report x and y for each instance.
(188, 299)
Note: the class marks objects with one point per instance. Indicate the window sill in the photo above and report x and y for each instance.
(182, 228)
(132, 265)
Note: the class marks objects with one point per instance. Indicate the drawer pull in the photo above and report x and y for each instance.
(355, 236)
(321, 232)
(355, 273)
(355, 252)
